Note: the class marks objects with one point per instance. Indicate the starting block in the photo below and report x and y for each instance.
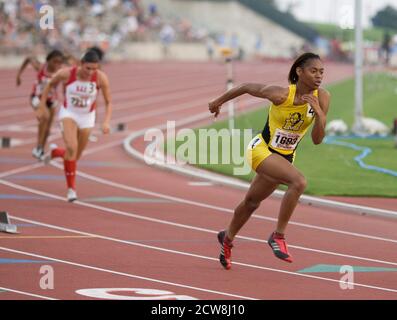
(5, 224)
(121, 126)
(5, 142)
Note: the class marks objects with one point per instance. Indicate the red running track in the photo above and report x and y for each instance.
(136, 226)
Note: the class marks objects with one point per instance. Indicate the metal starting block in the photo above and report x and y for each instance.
(5, 224)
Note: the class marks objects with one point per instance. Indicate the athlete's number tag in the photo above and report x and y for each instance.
(285, 140)
(310, 111)
(79, 102)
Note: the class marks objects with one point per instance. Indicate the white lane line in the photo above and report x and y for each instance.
(132, 243)
(167, 98)
(181, 200)
(235, 183)
(190, 119)
(179, 225)
(21, 169)
(203, 88)
(40, 164)
(129, 275)
(27, 293)
(200, 184)
(217, 208)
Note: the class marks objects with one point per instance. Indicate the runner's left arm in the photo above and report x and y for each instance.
(320, 107)
(29, 60)
(104, 84)
(60, 76)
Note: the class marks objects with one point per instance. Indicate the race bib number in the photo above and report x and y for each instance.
(285, 140)
(79, 102)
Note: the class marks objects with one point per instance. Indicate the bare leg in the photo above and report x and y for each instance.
(47, 127)
(273, 171)
(83, 136)
(261, 187)
(41, 133)
(284, 172)
(70, 137)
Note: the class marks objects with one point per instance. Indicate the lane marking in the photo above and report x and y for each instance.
(227, 210)
(217, 208)
(323, 268)
(20, 197)
(142, 191)
(43, 177)
(45, 237)
(14, 160)
(146, 102)
(165, 222)
(235, 183)
(27, 293)
(200, 184)
(126, 274)
(19, 261)
(184, 254)
(21, 169)
(126, 294)
(125, 200)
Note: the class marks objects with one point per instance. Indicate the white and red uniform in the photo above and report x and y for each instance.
(43, 78)
(80, 100)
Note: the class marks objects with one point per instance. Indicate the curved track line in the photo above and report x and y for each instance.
(179, 225)
(177, 199)
(204, 174)
(217, 208)
(181, 200)
(128, 274)
(180, 253)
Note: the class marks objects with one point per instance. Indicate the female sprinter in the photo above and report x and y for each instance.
(45, 71)
(77, 114)
(271, 153)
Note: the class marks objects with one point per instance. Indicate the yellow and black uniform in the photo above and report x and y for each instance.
(285, 127)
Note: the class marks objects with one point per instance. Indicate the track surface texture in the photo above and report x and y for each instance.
(136, 226)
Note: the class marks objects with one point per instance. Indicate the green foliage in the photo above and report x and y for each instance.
(331, 31)
(386, 18)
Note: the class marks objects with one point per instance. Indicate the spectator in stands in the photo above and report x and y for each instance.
(258, 47)
(167, 36)
(210, 47)
(385, 49)
(80, 24)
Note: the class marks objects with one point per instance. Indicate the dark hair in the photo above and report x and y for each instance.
(91, 57)
(54, 54)
(300, 62)
(98, 51)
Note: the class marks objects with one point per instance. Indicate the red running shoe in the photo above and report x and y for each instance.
(279, 246)
(226, 250)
